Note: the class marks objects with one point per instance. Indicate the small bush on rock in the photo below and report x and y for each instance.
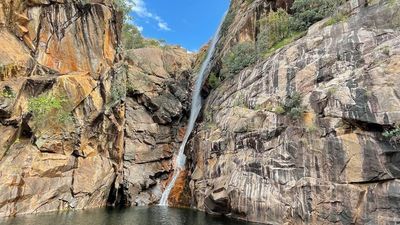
(393, 135)
(7, 93)
(49, 109)
(293, 106)
(276, 30)
(307, 12)
(240, 56)
(213, 81)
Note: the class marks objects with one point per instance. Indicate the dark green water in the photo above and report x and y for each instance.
(131, 216)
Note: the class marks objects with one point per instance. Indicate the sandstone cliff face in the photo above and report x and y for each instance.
(69, 49)
(157, 105)
(331, 166)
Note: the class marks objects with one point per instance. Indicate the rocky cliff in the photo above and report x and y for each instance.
(61, 141)
(332, 165)
(157, 108)
(83, 124)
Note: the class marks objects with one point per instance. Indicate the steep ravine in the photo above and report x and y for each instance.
(125, 111)
(125, 114)
(332, 165)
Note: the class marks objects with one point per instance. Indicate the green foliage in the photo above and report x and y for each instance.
(307, 12)
(276, 31)
(133, 39)
(240, 56)
(249, 1)
(7, 93)
(293, 106)
(312, 128)
(137, 81)
(292, 37)
(49, 109)
(279, 110)
(123, 6)
(213, 81)
(277, 25)
(392, 133)
(337, 18)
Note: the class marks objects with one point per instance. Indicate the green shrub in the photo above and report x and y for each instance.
(7, 93)
(213, 81)
(133, 39)
(293, 106)
(276, 30)
(279, 110)
(393, 133)
(307, 12)
(239, 57)
(276, 26)
(125, 7)
(337, 18)
(48, 109)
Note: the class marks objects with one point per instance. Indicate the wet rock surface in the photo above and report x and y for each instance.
(157, 108)
(332, 165)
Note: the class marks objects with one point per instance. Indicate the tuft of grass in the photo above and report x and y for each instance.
(280, 110)
(337, 18)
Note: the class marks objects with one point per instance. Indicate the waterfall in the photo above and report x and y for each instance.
(194, 112)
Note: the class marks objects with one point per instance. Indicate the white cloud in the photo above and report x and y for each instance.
(163, 26)
(140, 28)
(139, 7)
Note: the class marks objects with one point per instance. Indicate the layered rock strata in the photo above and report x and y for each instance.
(253, 161)
(63, 53)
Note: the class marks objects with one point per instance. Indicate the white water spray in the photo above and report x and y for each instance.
(194, 112)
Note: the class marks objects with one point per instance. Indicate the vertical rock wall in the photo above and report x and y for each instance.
(68, 49)
(157, 108)
(332, 165)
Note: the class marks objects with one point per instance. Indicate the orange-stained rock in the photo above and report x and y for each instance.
(180, 193)
(60, 50)
(14, 57)
(157, 107)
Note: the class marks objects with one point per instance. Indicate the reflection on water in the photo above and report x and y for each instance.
(131, 216)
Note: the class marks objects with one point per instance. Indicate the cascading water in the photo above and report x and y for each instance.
(196, 106)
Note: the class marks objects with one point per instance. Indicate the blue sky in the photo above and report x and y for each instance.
(189, 23)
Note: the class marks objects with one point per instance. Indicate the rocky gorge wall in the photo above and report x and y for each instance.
(332, 165)
(157, 108)
(64, 55)
(84, 124)
(126, 111)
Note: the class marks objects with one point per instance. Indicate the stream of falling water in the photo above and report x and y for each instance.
(194, 112)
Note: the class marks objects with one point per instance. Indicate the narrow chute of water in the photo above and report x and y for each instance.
(194, 112)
